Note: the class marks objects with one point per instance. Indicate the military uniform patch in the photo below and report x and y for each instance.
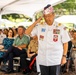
(65, 28)
(56, 31)
(41, 37)
(55, 38)
(43, 30)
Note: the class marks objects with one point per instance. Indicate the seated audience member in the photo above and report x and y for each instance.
(15, 32)
(5, 31)
(2, 36)
(33, 47)
(68, 64)
(18, 48)
(7, 42)
(69, 61)
(31, 53)
(74, 49)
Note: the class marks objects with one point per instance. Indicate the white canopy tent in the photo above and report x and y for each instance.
(4, 23)
(27, 7)
(25, 24)
(67, 19)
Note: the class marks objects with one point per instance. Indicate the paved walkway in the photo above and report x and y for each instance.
(2, 73)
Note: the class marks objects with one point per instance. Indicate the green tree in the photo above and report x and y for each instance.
(69, 5)
(16, 17)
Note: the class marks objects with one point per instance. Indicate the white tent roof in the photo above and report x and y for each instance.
(4, 23)
(66, 19)
(28, 7)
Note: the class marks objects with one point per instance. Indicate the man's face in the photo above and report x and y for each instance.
(20, 31)
(49, 18)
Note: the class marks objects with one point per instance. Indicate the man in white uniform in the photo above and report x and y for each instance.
(52, 42)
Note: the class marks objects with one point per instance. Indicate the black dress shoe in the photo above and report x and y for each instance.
(1, 59)
(9, 71)
(25, 72)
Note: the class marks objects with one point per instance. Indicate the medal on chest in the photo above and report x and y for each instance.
(55, 38)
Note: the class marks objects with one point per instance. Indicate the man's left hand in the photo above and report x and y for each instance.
(63, 61)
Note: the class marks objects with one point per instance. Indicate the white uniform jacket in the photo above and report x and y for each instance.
(50, 43)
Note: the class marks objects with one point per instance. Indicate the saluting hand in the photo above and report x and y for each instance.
(38, 20)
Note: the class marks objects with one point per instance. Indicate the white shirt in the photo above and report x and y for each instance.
(2, 36)
(50, 43)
